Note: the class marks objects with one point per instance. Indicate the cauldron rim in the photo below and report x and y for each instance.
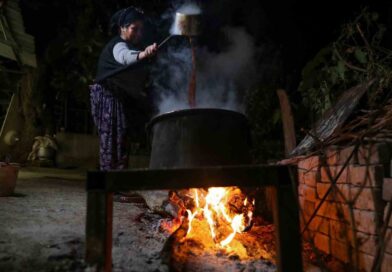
(188, 112)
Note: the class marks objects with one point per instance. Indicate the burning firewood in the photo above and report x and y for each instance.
(217, 222)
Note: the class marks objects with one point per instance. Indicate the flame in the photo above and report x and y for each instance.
(196, 198)
(190, 218)
(216, 211)
(237, 226)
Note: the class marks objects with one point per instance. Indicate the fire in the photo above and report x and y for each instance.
(214, 207)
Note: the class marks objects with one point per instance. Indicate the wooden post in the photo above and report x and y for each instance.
(285, 202)
(286, 220)
(288, 122)
(99, 230)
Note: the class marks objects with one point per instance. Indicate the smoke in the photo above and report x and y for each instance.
(221, 78)
(189, 9)
(183, 6)
(186, 9)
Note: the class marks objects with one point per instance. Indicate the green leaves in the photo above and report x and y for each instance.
(263, 111)
(360, 56)
(356, 56)
(340, 69)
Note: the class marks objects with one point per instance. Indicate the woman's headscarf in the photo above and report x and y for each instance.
(125, 17)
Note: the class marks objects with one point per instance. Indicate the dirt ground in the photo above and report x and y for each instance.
(42, 228)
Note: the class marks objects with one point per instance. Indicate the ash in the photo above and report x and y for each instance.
(250, 251)
(42, 228)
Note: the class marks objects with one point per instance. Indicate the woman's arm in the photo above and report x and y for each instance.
(148, 52)
(124, 55)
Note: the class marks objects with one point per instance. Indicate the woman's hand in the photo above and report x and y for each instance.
(150, 51)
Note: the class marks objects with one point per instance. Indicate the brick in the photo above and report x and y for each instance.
(359, 175)
(345, 154)
(374, 154)
(301, 202)
(301, 179)
(340, 231)
(324, 209)
(339, 156)
(309, 207)
(310, 163)
(386, 263)
(367, 243)
(335, 195)
(334, 171)
(301, 189)
(365, 261)
(331, 156)
(320, 224)
(308, 236)
(335, 211)
(321, 189)
(322, 242)
(387, 189)
(365, 155)
(310, 177)
(367, 198)
(340, 250)
(309, 192)
(341, 193)
(366, 221)
(302, 217)
(366, 176)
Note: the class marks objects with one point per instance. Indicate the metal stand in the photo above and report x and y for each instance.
(101, 185)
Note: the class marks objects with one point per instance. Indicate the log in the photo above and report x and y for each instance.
(333, 119)
(288, 122)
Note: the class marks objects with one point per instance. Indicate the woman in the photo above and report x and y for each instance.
(118, 87)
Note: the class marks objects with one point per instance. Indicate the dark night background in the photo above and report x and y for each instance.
(70, 34)
(299, 28)
(311, 52)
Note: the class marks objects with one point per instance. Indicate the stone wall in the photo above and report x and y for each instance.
(344, 197)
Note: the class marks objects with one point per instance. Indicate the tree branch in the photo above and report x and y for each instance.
(348, 64)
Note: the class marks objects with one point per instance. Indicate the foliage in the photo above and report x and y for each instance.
(74, 53)
(263, 113)
(356, 56)
(69, 64)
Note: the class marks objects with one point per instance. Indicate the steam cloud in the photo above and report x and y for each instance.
(219, 76)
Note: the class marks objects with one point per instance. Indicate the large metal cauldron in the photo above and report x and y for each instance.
(199, 137)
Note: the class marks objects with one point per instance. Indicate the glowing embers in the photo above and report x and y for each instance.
(220, 231)
(226, 210)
